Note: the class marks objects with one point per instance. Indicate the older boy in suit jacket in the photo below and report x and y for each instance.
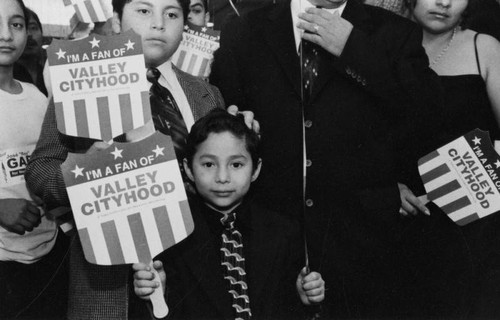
(102, 292)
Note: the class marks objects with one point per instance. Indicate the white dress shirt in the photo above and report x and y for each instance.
(169, 80)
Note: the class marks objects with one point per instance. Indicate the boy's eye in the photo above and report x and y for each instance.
(208, 164)
(196, 11)
(237, 165)
(143, 11)
(172, 15)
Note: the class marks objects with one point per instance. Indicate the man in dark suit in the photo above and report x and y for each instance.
(373, 75)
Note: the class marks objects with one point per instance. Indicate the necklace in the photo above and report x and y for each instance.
(445, 49)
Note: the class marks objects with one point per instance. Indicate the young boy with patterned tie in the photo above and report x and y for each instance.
(97, 291)
(241, 261)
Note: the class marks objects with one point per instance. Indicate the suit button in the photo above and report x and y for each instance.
(308, 163)
(308, 123)
(309, 203)
(359, 79)
(363, 83)
(348, 70)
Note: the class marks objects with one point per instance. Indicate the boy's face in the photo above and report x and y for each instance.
(160, 24)
(13, 33)
(222, 171)
(198, 13)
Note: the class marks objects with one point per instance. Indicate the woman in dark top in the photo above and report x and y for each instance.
(468, 64)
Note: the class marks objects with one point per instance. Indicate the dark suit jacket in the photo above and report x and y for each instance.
(95, 291)
(352, 132)
(195, 285)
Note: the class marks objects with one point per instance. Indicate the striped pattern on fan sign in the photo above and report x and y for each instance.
(128, 201)
(463, 177)
(89, 11)
(99, 85)
(196, 50)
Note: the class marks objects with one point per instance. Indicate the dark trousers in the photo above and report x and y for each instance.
(38, 290)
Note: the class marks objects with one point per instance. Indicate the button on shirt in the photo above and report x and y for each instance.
(298, 6)
(169, 80)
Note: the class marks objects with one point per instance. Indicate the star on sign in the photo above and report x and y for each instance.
(61, 54)
(204, 29)
(476, 140)
(78, 171)
(95, 42)
(158, 151)
(117, 153)
(130, 45)
(186, 27)
(497, 164)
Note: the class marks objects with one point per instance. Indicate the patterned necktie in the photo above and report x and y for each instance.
(310, 65)
(166, 115)
(233, 263)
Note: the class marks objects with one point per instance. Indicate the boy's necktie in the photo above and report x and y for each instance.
(233, 263)
(166, 115)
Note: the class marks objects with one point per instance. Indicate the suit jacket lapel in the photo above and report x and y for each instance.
(204, 263)
(277, 31)
(195, 93)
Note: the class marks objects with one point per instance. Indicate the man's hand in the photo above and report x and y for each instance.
(19, 215)
(310, 287)
(144, 279)
(410, 204)
(330, 31)
(248, 116)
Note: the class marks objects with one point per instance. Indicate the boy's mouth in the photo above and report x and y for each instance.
(155, 40)
(222, 193)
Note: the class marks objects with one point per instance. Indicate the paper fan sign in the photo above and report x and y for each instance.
(91, 10)
(128, 201)
(99, 85)
(196, 51)
(463, 177)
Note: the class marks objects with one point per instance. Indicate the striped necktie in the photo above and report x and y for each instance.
(166, 115)
(233, 262)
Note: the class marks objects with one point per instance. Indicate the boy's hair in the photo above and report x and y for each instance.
(25, 12)
(218, 121)
(32, 15)
(118, 6)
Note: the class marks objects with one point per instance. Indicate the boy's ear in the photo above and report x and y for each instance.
(187, 169)
(116, 23)
(256, 172)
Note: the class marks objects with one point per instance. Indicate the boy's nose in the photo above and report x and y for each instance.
(444, 3)
(158, 22)
(222, 175)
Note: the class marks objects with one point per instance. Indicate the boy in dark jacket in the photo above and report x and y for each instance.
(241, 261)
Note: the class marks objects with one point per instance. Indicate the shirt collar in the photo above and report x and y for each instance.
(298, 6)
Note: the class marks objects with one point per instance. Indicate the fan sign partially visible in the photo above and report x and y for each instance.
(196, 51)
(89, 11)
(128, 201)
(99, 85)
(463, 177)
